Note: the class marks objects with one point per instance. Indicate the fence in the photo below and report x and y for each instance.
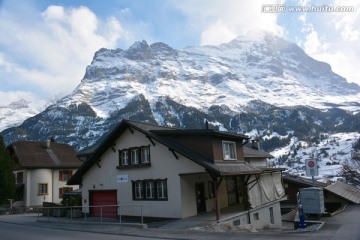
(6, 209)
(120, 214)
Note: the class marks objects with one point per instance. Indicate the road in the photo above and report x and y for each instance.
(10, 231)
(343, 226)
(13, 231)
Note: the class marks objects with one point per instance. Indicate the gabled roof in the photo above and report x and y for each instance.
(158, 133)
(345, 191)
(250, 152)
(302, 182)
(179, 132)
(38, 155)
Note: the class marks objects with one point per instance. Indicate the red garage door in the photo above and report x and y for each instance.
(103, 198)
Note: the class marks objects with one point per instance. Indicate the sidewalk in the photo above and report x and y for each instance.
(116, 229)
(181, 232)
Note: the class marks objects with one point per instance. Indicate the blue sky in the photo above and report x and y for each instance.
(45, 46)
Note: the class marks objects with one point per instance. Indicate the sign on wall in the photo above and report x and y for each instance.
(122, 178)
(311, 168)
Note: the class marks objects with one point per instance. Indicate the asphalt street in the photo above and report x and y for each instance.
(342, 226)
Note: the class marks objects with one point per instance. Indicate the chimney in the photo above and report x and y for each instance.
(48, 143)
(255, 144)
(207, 125)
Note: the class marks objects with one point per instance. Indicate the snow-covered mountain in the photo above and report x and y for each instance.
(257, 83)
(15, 113)
(337, 156)
(260, 66)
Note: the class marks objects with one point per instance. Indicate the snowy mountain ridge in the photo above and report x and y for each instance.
(257, 82)
(16, 112)
(232, 74)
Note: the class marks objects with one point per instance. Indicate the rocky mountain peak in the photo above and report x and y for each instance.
(139, 51)
(240, 85)
(22, 103)
(163, 49)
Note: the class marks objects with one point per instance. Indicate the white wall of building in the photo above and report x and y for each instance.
(260, 217)
(39, 176)
(181, 175)
(189, 198)
(164, 165)
(31, 180)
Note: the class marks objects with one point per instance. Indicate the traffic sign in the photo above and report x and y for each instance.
(311, 168)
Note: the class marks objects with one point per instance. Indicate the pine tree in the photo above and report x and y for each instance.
(7, 179)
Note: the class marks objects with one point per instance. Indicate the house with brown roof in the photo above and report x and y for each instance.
(175, 173)
(42, 170)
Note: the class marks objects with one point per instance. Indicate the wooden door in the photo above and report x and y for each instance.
(200, 197)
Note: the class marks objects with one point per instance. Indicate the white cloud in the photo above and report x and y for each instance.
(222, 21)
(347, 23)
(312, 43)
(13, 96)
(217, 33)
(50, 50)
(331, 37)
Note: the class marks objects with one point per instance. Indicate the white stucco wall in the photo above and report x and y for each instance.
(38, 176)
(263, 213)
(189, 198)
(163, 166)
(258, 162)
(31, 180)
(60, 184)
(264, 216)
(181, 175)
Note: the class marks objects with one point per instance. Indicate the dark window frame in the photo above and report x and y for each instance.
(64, 190)
(124, 158)
(43, 189)
(155, 195)
(135, 163)
(229, 150)
(164, 189)
(19, 177)
(65, 175)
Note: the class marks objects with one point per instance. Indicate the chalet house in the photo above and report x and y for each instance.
(41, 170)
(177, 173)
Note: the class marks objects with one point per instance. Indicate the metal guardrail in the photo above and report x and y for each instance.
(106, 213)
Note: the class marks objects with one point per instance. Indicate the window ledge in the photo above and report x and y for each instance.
(151, 199)
(140, 165)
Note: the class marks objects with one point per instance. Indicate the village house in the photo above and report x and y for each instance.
(174, 173)
(41, 170)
